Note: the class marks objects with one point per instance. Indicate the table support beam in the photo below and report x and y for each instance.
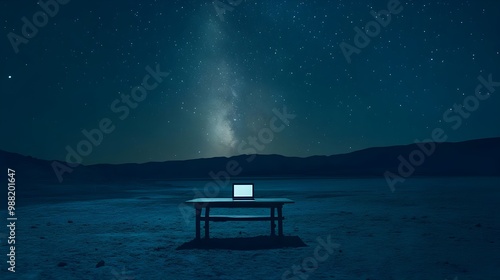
(207, 230)
(198, 215)
(272, 222)
(280, 220)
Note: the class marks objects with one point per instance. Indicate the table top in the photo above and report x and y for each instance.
(239, 203)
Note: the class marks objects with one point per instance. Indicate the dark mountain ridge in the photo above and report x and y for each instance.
(470, 158)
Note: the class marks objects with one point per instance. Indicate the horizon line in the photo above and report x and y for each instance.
(257, 154)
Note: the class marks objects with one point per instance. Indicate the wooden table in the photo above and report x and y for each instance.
(207, 203)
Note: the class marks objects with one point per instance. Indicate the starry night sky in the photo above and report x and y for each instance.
(226, 76)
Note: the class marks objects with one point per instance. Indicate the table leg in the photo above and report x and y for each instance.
(198, 215)
(272, 222)
(207, 215)
(280, 220)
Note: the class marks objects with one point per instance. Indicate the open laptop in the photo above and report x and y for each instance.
(243, 191)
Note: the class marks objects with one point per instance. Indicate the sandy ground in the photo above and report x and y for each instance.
(430, 228)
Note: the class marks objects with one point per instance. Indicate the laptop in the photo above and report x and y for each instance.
(243, 191)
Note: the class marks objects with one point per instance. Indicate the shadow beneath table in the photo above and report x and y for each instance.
(247, 243)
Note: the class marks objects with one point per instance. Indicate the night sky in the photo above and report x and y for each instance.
(227, 73)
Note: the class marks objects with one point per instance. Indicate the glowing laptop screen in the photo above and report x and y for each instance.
(242, 191)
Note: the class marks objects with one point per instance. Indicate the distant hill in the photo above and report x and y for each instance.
(471, 158)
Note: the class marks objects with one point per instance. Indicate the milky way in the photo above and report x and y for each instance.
(226, 77)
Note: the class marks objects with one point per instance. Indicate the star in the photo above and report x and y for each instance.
(10, 77)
